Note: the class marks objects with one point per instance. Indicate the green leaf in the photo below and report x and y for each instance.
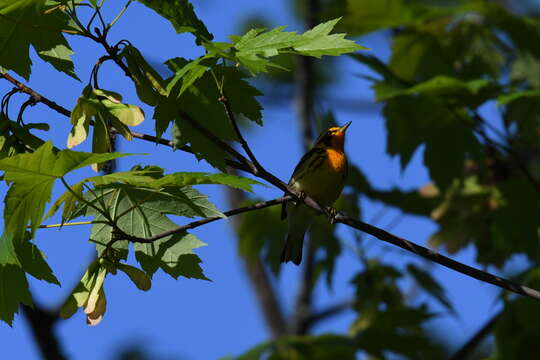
(472, 93)
(418, 56)
(139, 278)
(365, 16)
(190, 72)
(33, 261)
(142, 212)
(415, 120)
(304, 347)
(13, 284)
(375, 64)
(511, 231)
(256, 45)
(148, 83)
(399, 331)
(175, 256)
(200, 103)
(199, 178)
(182, 17)
(515, 330)
(240, 94)
(317, 41)
(33, 22)
(430, 285)
(261, 233)
(16, 138)
(506, 99)
(154, 178)
(32, 177)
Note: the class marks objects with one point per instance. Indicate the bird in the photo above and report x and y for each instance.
(320, 174)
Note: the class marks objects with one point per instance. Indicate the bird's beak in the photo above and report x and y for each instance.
(344, 127)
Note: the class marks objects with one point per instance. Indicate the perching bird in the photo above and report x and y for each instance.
(321, 175)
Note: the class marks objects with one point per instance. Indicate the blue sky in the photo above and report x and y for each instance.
(194, 319)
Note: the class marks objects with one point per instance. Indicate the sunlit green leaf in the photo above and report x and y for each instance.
(33, 22)
(182, 17)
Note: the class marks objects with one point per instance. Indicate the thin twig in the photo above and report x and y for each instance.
(67, 224)
(206, 132)
(195, 224)
(510, 151)
(84, 201)
(438, 258)
(234, 123)
(120, 14)
(330, 311)
(340, 218)
(146, 137)
(467, 349)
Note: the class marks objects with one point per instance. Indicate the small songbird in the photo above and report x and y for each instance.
(321, 175)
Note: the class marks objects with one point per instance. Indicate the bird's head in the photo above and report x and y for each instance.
(333, 137)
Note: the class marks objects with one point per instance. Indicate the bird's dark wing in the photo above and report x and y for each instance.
(313, 154)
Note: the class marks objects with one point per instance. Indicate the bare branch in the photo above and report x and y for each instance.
(339, 218)
(438, 258)
(241, 138)
(328, 312)
(43, 322)
(194, 224)
(222, 144)
(476, 339)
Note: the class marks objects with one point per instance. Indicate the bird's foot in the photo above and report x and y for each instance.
(301, 196)
(333, 213)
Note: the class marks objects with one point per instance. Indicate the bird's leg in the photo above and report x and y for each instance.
(301, 196)
(333, 214)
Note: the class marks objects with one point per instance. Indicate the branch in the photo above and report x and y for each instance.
(37, 97)
(330, 311)
(340, 218)
(195, 224)
(476, 339)
(379, 233)
(241, 138)
(438, 258)
(42, 323)
(517, 158)
(222, 144)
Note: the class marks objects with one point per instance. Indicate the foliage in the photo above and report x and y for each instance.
(449, 62)
(134, 203)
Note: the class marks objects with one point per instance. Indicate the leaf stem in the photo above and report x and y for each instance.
(119, 15)
(83, 200)
(66, 224)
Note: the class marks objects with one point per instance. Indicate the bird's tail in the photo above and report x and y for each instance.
(292, 251)
(299, 221)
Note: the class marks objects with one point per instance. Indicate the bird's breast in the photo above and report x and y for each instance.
(325, 181)
(336, 160)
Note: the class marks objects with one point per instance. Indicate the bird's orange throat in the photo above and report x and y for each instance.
(337, 159)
